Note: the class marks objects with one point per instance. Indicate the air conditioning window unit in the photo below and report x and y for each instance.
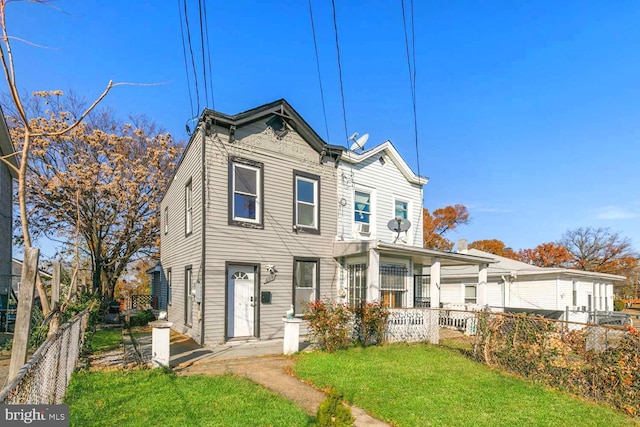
(362, 228)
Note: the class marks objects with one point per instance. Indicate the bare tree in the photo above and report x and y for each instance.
(600, 250)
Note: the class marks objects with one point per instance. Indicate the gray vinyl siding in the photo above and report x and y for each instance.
(177, 249)
(276, 243)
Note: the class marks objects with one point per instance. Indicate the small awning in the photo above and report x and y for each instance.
(155, 269)
(417, 255)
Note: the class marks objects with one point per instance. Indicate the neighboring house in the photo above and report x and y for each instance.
(376, 188)
(6, 207)
(248, 224)
(16, 275)
(159, 291)
(513, 285)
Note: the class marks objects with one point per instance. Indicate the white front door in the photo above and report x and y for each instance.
(241, 301)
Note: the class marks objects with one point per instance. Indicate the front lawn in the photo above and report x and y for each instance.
(155, 397)
(426, 385)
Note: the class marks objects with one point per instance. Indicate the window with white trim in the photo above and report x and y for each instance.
(357, 284)
(188, 208)
(166, 220)
(362, 207)
(305, 283)
(307, 201)
(401, 209)
(470, 294)
(245, 192)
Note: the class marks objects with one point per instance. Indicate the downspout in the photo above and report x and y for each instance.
(204, 233)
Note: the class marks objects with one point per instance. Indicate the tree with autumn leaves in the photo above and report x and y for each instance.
(102, 179)
(443, 220)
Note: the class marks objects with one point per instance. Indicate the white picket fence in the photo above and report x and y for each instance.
(413, 325)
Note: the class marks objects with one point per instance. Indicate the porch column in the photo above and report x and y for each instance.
(434, 287)
(373, 276)
(481, 297)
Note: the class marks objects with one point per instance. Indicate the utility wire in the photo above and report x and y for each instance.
(206, 29)
(344, 111)
(186, 65)
(202, 48)
(193, 61)
(412, 73)
(315, 46)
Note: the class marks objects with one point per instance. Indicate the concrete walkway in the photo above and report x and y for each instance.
(260, 361)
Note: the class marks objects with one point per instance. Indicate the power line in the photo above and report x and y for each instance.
(315, 45)
(412, 73)
(206, 29)
(186, 65)
(202, 47)
(344, 111)
(193, 61)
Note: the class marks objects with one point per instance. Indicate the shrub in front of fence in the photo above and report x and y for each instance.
(370, 323)
(599, 363)
(334, 326)
(330, 324)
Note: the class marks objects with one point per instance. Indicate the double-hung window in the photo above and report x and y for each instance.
(306, 276)
(401, 209)
(362, 211)
(307, 202)
(188, 208)
(166, 220)
(245, 192)
(470, 294)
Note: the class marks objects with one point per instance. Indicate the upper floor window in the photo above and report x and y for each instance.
(166, 220)
(362, 211)
(188, 208)
(307, 201)
(401, 209)
(245, 192)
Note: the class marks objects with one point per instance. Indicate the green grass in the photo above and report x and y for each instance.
(155, 397)
(424, 385)
(105, 340)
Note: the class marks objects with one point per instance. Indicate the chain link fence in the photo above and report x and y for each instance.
(599, 362)
(44, 378)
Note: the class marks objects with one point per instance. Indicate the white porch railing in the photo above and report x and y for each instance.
(413, 325)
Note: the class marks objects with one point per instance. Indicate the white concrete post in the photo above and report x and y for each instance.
(291, 342)
(481, 297)
(373, 276)
(160, 343)
(434, 287)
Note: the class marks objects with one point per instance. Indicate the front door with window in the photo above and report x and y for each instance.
(241, 301)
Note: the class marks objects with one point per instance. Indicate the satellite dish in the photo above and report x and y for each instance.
(358, 143)
(399, 224)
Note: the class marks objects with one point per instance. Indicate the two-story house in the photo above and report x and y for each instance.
(378, 259)
(248, 224)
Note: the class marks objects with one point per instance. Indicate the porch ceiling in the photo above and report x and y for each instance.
(417, 255)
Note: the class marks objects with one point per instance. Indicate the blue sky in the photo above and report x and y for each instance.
(528, 112)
